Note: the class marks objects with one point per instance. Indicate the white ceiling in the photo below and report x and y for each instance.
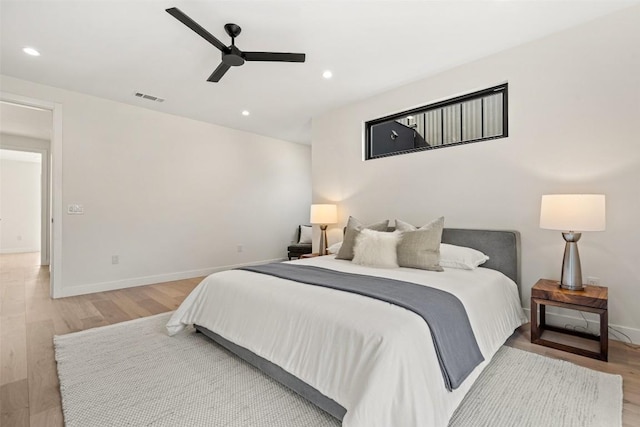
(25, 121)
(113, 49)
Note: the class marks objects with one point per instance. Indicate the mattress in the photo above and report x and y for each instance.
(375, 359)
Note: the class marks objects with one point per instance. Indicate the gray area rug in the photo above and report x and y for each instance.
(133, 374)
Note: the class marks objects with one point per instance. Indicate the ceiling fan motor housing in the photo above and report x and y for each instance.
(233, 57)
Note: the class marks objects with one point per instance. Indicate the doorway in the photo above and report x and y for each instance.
(23, 205)
(33, 128)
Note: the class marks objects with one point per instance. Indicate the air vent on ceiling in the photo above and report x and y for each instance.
(149, 97)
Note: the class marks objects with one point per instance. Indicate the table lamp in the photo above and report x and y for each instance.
(572, 213)
(322, 215)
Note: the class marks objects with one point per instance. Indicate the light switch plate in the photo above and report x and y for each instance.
(75, 209)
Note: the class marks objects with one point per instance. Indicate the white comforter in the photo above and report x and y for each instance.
(375, 359)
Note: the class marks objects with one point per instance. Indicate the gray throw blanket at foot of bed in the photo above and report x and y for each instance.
(454, 341)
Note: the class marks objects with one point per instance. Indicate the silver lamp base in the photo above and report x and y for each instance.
(323, 240)
(571, 268)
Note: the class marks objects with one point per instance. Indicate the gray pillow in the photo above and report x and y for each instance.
(353, 229)
(420, 247)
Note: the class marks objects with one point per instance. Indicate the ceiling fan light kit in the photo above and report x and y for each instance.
(231, 55)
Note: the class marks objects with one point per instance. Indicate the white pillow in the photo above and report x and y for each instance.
(305, 234)
(335, 248)
(452, 256)
(376, 249)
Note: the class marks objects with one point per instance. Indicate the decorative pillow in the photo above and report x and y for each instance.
(353, 229)
(376, 249)
(420, 247)
(333, 249)
(452, 256)
(305, 234)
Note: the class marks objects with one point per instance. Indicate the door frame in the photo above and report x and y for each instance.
(56, 214)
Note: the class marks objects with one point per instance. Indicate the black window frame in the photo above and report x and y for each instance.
(502, 88)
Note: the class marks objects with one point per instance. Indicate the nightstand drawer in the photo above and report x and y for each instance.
(590, 296)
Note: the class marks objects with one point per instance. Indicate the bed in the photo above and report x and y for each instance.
(364, 361)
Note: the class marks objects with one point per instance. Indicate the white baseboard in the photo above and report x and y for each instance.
(18, 250)
(562, 320)
(149, 280)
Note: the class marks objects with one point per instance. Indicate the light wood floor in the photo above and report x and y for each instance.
(29, 393)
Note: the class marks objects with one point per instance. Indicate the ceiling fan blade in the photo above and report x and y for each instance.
(274, 56)
(219, 72)
(180, 16)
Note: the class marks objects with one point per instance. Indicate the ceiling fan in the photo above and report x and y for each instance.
(231, 55)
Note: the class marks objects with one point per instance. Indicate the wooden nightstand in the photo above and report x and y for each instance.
(310, 255)
(593, 299)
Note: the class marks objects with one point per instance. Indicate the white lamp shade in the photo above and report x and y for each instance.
(573, 212)
(324, 214)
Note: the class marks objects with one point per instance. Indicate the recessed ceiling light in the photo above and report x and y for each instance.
(245, 113)
(31, 51)
(327, 74)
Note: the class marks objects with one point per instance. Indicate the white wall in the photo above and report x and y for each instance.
(19, 206)
(172, 197)
(574, 104)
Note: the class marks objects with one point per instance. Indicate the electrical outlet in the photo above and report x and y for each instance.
(19, 238)
(593, 281)
(115, 259)
(240, 248)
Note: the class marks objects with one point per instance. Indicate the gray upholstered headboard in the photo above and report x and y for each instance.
(501, 246)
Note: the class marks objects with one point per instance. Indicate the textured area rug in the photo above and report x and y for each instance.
(522, 389)
(133, 374)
